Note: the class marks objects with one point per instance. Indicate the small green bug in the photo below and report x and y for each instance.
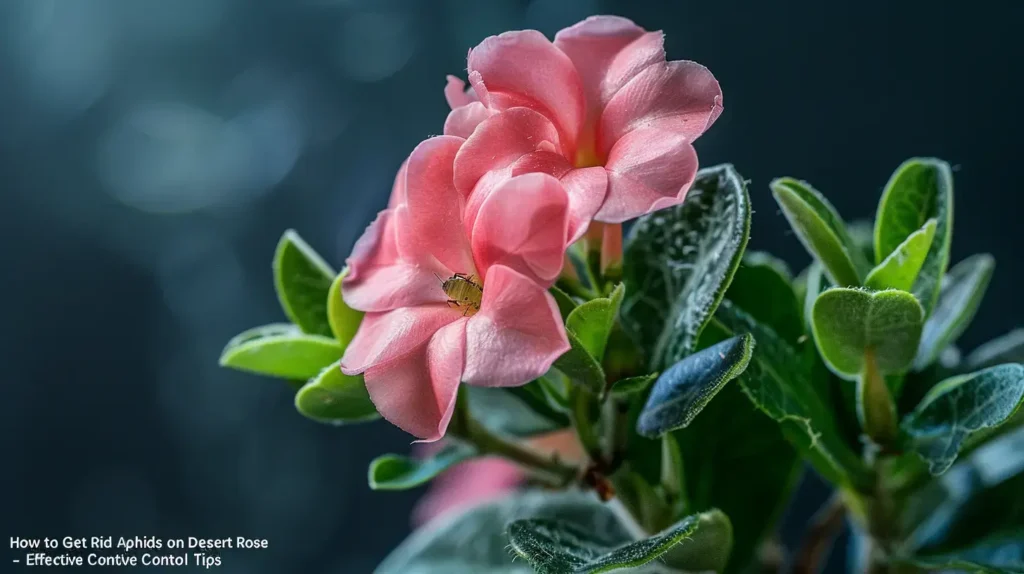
(464, 292)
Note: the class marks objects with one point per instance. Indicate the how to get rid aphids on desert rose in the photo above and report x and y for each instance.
(588, 402)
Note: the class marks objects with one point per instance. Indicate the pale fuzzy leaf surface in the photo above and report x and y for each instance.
(762, 286)
(475, 541)
(592, 321)
(682, 391)
(559, 547)
(344, 320)
(963, 288)
(920, 189)
(999, 553)
(1006, 349)
(900, 268)
(280, 350)
(820, 229)
(849, 322)
(397, 472)
(959, 407)
(679, 262)
(335, 398)
(303, 280)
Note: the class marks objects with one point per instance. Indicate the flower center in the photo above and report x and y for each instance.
(464, 293)
(586, 156)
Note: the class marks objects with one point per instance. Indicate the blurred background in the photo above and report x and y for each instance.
(153, 151)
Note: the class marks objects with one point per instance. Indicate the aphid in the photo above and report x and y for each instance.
(464, 292)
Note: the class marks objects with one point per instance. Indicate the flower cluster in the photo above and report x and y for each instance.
(453, 276)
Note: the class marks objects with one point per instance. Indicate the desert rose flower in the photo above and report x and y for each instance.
(452, 300)
(600, 108)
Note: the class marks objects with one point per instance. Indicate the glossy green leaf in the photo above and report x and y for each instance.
(344, 320)
(820, 229)
(849, 322)
(679, 262)
(592, 321)
(779, 384)
(960, 406)
(1006, 349)
(303, 280)
(515, 411)
(580, 366)
(335, 398)
(762, 286)
(920, 189)
(559, 547)
(999, 553)
(396, 472)
(682, 391)
(961, 294)
(564, 301)
(280, 350)
(632, 385)
(475, 541)
(899, 270)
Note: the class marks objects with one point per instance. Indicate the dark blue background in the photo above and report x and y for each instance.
(152, 152)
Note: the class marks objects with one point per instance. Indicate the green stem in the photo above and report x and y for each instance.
(875, 407)
(581, 403)
(616, 433)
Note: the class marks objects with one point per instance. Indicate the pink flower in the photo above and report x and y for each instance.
(450, 299)
(600, 109)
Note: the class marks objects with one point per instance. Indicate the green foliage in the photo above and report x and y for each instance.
(580, 366)
(679, 262)
(303, 280)
(632, 385)
(851, 322)
(1006, 349)
(762, 286)
(961, 294)
(686, 388)
(1000, 553)
(565, 302)
(820, 229)
(959, 407)
(919, 190)
(559, 547)
(396, 472)
(899, 270)
(592, 321)
(515, 411)
(280, 350)
(344, 320)
(335, 398)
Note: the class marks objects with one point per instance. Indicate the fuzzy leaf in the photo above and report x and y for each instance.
(763, 288)
(559, 547)
(592, 321)
(564, 301)
(344, 320)
(1006, 349)
(580, 366)
(515, 411)
(336, 398)
(849, 322)
(632, 385)
(303, 280)
(396, 472)
(817, 283)
(899, 270)
(999, 553)
(820, 229)
(919, 190)
(960, 406)
(685, 389)
(679, 262)
(961, 294)
(475, 541)
(280, 350)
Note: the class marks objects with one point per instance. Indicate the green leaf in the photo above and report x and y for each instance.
(999, 553)
(778, 383)
(960, 406)
(515, 411)
(820, 229)
(303, 280)
(920, 189)
(1006, 349)
(280, 350)
(475, 541)
(685, 389)
(762, 287)
(592, 321)
(397, 472)
(580, 366)
(564, 301)
(559, 547)
(336, 398)
(899, 270)
(849, 322)
(632, 385)
(817, 283)
(344, 320)
(679, 262)
(961, 294)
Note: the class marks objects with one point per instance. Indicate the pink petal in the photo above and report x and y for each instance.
(680, 97)
(516, 335)
(523, 224)
(525, 69)
(385, 337)
(587, 189)
(398, 188)
(498, 142)
(435, 206)
(416, 391)
(463, 120)
(648, 169)
(473, 482)
(456, 93)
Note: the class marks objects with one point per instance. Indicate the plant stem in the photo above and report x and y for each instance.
(581, 403)
(875, 406)
(817, 541)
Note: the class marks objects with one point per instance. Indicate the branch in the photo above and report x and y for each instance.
(826, 524)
